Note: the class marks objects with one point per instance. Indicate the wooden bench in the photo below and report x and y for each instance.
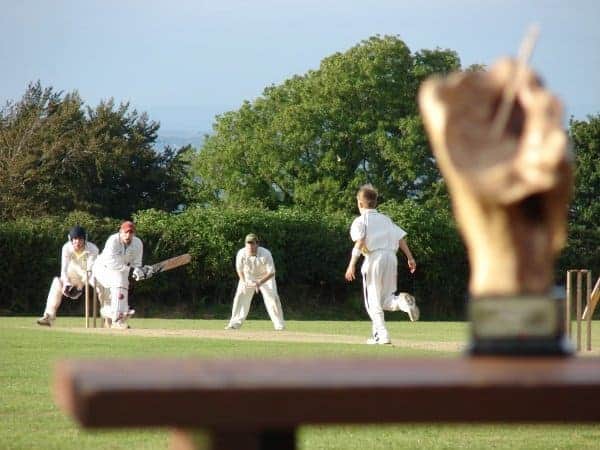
(254, 404)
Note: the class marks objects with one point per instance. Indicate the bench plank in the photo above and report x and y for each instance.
(281, 394)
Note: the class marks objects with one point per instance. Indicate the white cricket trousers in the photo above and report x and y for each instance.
(55, 294)
(243, 299)
(380, 277)
(113, 290)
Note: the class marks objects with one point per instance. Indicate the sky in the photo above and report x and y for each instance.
(185, 61)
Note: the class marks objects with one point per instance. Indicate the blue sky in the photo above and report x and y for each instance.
(185, 61)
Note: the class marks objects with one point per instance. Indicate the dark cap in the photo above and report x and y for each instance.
(77, 232)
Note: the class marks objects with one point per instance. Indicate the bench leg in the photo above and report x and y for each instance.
(231, 439)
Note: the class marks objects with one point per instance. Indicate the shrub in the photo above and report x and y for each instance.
(310, 250)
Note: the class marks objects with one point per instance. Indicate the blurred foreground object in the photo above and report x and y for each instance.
(510, 189)
(214, 405)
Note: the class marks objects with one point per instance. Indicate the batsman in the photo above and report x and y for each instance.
(122, 253)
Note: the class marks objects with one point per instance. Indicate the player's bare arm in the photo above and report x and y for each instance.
(412, 264)
(356, 252)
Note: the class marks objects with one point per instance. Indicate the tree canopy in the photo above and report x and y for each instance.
(57, 155)
(312, 140)
(585, 138)
(308, 142)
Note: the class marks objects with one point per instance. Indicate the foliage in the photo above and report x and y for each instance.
(285, 166)
(314, 139)
(583, 245)
(311, 253)
(31, 256)
(585, 138)
(56, 156)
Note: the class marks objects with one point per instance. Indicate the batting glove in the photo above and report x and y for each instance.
(149, 271)
(143, 273)
(138, 274)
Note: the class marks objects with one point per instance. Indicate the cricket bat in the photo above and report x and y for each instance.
(171, 263)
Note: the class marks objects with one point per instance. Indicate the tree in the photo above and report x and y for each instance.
(58, 156)
(128, 173)
(314, 139)
(38, 136)
(583, 244)
(585, 138)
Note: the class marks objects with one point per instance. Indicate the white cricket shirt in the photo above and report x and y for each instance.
(380, 231)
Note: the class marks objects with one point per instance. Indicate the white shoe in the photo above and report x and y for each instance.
(231, 326)
(281, 328)
(119, 325)
(121, 322)
(413, 309)
(46, 320)
(106, 313)
(375, 340)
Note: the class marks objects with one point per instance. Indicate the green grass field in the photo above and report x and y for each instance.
(29, 418)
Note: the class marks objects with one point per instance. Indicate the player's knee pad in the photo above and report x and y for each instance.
(119, 301)
(103, 294)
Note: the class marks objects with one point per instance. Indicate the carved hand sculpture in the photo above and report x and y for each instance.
(510, 190)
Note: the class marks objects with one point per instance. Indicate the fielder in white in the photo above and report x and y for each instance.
(122, 251)
(378, 238)
(256, 272)
(77, 259)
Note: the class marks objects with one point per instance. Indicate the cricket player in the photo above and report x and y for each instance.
(122, 252)
(256, 272)
(77, 258)
(378, 238)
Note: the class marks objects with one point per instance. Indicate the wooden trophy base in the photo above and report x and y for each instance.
(518, 325)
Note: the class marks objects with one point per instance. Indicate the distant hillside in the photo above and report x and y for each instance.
(178, 139)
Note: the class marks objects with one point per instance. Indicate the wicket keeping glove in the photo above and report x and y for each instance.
(71, 291)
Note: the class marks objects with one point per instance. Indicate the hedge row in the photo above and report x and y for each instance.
(30, 257)
(310, 251)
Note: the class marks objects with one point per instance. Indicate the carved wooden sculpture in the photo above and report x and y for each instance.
(510, 185)
(510, 192)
